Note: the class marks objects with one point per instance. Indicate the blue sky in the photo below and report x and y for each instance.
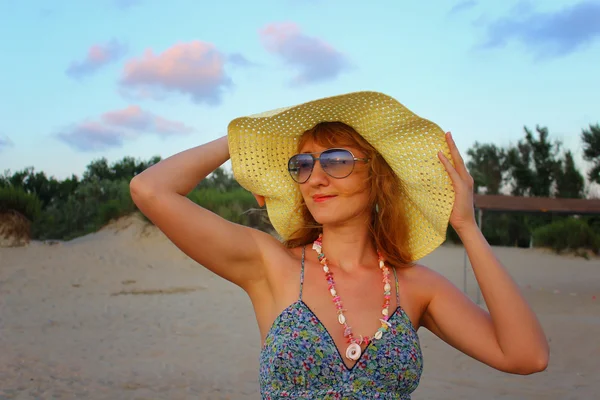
(115, 78)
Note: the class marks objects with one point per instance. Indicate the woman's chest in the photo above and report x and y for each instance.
(300, 353)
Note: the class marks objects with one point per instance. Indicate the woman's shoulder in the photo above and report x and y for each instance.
(419, 273)
(279, 258)
(421, 278)
(424, 282)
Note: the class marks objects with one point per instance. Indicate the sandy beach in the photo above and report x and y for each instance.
(123, 314)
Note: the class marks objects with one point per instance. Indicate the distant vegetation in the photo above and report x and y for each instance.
(535, 166)
(74, 207)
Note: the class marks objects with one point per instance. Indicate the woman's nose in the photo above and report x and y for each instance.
(318, 175)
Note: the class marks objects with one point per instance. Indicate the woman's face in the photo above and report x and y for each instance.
(333, 201)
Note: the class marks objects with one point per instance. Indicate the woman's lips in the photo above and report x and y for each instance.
(320, 199)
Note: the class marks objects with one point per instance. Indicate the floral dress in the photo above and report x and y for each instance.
(299, 359)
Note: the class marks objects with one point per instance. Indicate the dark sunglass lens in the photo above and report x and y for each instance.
(337, 163)
(300, 167)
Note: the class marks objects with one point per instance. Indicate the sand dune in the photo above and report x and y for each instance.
(123, 314)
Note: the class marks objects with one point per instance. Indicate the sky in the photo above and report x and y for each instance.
(81, 80)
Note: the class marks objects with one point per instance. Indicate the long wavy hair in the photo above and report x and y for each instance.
(387, 226)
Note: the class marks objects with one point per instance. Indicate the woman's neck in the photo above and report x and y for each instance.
(349, 248)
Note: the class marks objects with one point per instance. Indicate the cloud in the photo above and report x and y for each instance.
(195, 69)
(5, 142)
(133, 117)
(547, 34)
(92, 136)
(98, 56)
(239, 60)
(312, 58)
(463, 6)
(115, 127)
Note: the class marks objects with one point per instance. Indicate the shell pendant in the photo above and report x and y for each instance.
(353, 352)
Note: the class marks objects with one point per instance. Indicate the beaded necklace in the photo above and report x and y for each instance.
(353, 351)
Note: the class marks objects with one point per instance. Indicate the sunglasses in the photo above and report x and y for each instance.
(337, 163)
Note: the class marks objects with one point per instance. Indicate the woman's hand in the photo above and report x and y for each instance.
(463, 213)
(508, 336)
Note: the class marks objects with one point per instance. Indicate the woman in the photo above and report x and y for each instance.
(358, 189)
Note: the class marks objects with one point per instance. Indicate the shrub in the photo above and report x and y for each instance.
(86, 210)
(567, 234)
(16, 199)
(117, 204)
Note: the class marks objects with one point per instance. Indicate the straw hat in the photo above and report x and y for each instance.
(261, 144)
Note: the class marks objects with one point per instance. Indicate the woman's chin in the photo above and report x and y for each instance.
(337, 219)
(330, 220)
(325, 219)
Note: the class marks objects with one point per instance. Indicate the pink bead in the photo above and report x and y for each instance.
(337, 300)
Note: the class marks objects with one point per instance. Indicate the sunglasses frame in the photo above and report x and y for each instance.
(315, 159)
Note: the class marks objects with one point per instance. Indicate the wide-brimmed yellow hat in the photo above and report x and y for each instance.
(260, 146)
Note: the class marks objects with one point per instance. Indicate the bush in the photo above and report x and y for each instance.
(594, 222)
(117, 205)
(87, 209)
(16, 199)
(567, 234)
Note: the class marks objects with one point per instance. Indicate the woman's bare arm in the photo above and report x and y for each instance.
(232, 251)
(509, 337)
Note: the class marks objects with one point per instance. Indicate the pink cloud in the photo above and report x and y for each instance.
(133, 117)
(92, 136)
(195, 69)
(314, 59)
(115, 127)
(97, 56)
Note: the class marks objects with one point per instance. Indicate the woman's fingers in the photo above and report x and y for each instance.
(459, 163)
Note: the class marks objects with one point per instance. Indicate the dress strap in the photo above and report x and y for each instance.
(397, 288)
(302, 273)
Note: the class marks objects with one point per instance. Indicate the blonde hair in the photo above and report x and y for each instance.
(388, 227)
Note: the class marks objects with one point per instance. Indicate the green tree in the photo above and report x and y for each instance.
(591, 150)
(487, 166)
(125, 169)
(5, 179)
(533, 164)
(569, 181)
(97, 169)
(220, 180)
(32, 182)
